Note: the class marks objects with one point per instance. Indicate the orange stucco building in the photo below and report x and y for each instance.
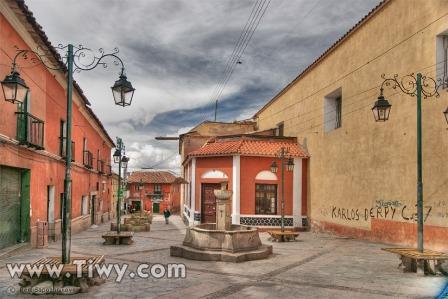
(32, 136)
(244, 163)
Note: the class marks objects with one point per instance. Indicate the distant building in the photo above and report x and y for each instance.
(154, 191)
(244, 163)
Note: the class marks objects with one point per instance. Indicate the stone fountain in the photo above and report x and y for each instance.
(222, 241)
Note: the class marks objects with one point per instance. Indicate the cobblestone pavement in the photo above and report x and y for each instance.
(317, 266)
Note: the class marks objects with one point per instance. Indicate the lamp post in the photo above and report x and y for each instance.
(289, 163)
(122, 161)
(15, 89)
(413, 85)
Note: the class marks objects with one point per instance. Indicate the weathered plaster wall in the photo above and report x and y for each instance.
(250, 167)
(362, 176)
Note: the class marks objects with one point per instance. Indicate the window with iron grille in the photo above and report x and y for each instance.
(280, 129)
(265, 199)
(442, 58)
(333, 110)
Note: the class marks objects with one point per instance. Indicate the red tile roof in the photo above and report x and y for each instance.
(249, 147)
(153, 177)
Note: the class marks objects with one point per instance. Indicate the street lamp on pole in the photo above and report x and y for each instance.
(419, 86)
(289, 163)
(74, 60)
(122, 161)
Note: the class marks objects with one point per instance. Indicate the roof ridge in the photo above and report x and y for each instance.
(336, 44)
(29, 16)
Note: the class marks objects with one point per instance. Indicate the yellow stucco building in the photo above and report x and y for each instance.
(362, 174)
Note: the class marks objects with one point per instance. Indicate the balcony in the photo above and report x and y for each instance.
(30, 130)
(100, 166)
(62, 146)
(87, 159)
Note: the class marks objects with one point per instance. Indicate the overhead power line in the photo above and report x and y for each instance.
(257, 13)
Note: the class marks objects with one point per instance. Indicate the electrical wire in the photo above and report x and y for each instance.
(345, 114)
(361, 66)
(257, 13)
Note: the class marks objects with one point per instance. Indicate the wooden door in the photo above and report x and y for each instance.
(208, 203)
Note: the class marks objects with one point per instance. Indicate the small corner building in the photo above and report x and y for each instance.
(153, 191)
(244, 162)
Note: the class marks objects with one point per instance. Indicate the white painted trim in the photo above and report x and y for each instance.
(297, 193)
(266, 175)
(214, 174)
(236, 171)
(193, 189)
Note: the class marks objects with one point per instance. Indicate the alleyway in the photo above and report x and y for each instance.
(318, 266)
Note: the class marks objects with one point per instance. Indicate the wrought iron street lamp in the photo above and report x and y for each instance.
(74, 60)
(123, 91)
(381, 109)
(14, 87)
(289, 163)
(122, 161)
(117, 156)
(413, 85)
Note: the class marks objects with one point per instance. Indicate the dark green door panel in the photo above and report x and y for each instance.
(9, 206)
(25, 206)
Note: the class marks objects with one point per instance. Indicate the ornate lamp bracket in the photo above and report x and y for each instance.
(408, 85)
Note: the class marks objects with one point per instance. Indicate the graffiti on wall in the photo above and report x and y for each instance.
(388, 212)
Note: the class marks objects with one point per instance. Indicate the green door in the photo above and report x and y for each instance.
(9, 206)
(155, 207)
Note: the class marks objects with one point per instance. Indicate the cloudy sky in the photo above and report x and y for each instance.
(176, 52)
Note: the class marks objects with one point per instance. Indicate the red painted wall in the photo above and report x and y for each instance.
(48, 102)
(393, 232)
(250, 167)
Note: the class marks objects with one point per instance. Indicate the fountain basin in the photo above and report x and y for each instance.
(207, 237)
(238, 244)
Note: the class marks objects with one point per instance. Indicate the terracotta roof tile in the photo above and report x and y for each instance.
(249, 147)
(152, 177)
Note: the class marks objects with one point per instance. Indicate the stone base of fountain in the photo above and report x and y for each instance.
(239, 243)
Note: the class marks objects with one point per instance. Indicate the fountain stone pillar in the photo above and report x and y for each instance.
(223, 217)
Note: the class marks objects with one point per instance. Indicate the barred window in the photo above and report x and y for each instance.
(265, 199)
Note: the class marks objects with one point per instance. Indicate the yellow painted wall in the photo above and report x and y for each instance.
(364, 162)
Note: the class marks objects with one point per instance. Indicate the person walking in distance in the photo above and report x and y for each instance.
(166, 214)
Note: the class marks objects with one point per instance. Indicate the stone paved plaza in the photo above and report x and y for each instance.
(317, 266)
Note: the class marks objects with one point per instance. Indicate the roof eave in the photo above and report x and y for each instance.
(327, 52)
